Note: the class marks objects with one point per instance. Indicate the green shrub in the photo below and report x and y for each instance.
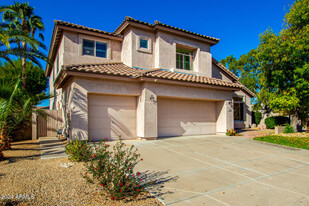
(113, 169)
(273, 121)
(270, 122)
(79, 150)
(231, 132)
(288, 129)
(257, 117)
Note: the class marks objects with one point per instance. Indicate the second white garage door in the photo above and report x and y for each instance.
(111, 116)
(178, 117)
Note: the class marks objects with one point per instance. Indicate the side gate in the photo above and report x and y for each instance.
(46, 125)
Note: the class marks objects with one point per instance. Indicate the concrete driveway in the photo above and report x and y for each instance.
(221, 170)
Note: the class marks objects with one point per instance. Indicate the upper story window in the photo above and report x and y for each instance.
(143, 43)
(184, 59)
(238, 108)
(94, 48)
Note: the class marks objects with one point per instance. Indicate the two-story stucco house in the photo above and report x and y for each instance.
(142, 81)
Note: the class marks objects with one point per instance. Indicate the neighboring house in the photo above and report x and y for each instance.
(142, 81)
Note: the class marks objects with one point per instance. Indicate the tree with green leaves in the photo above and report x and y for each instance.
(284, 60)
(21, 17)
(22, 84)
(278, 69)
(9, 50)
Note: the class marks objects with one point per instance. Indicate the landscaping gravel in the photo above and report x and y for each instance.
(28, 180)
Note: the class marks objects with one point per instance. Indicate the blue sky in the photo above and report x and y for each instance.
(237, 23)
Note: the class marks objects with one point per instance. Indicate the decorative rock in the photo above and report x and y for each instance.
(66, 165)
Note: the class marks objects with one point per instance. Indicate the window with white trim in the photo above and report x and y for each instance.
(184, 59)
(94, 48)
(238, 108)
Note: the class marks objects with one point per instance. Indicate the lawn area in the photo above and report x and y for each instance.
(288, 140)
(28, 180)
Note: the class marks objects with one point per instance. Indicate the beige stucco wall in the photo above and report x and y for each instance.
(219, 74)
(55, 102)
(77, 91)
(72, 43)
(162, 52)
(70, 52)
(165, 56)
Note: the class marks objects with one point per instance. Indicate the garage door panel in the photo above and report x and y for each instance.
(111, 116)
(177, 117)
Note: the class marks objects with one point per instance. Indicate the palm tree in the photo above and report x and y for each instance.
(9, 38)
(20, 16)
(36, 24)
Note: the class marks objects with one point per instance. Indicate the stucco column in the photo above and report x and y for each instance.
(78, 107)
(147, 115)
(225, 119)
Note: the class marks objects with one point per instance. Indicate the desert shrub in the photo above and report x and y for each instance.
(113, 169)
(257, 117)
(272, 121)
(231, 132)
(288, 129)
(79, 150)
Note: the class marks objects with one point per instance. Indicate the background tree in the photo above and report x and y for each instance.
(18, 45)
(284, 60)
(20, 17)
(277, 70)
(36, 82)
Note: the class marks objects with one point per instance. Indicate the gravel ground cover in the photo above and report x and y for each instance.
(25, 179)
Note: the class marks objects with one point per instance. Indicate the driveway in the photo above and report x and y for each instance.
(221, 170)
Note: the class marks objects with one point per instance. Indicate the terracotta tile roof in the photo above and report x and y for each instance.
(64, 23)
(119, 69)
(248, 91)
(109, 68)
(165, 25)
(164, 74)
(186, 31)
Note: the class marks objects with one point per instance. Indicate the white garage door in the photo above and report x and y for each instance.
(111, 116)
(177, 117)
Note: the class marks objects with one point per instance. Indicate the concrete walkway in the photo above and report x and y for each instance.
(221, 170)
(51, 148)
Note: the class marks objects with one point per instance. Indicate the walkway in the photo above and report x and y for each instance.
(51, 147)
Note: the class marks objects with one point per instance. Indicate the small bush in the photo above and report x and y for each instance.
(257, 117)
(114, 170)
(79, 150)
(271, 122)
(231, 132)
(288, 129)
